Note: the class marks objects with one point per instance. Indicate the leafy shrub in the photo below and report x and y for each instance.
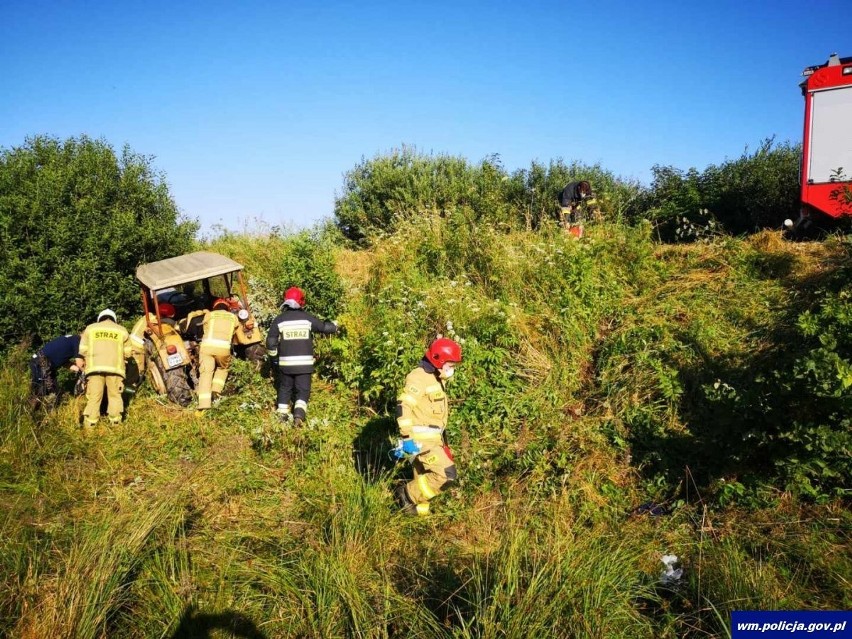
(379, 193)
(405, 183)
(276, 259)
(75, 221)
(789, 414)
(816, 436)
(746, 384)
(754, 191)
(618, 199)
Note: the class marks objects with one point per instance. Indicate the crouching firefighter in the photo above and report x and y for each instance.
(137, 344)
(45, 363)
(290, 345)
(574, 200)
(422, 413)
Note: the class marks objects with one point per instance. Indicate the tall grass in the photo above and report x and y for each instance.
(586, 391)
(95, 579)
(568, 586)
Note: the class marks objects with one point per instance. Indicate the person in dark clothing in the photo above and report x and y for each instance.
(572, 203)
(290, 343)
(47, 360)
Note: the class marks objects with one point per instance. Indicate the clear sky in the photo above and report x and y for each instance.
(255, 110)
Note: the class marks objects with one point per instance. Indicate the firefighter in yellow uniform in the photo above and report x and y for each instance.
(140, 329)
(422, 414)
(215, 353)
(104, 346)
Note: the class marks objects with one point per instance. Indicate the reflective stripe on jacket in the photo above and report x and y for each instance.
(105, 345)
(290, 338)
(219, 327)
(423, 406)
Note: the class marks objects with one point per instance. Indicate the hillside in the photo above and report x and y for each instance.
(620, 399)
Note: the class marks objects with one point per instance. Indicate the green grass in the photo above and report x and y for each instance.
(585, 392)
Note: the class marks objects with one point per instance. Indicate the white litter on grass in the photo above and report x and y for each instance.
(670, 576)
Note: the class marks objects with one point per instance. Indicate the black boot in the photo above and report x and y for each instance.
(298, 422)
(404, 501)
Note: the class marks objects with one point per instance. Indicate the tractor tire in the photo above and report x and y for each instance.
(256, 354)
(152, 371)
(178, 388)
(173, 383)
(155, 378)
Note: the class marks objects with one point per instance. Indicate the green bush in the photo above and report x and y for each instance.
(786, 414)
(814, 435)
(755, 191)
(276, 259)
(617, 198)
(379, 193)
(404, 184)
(75, 221)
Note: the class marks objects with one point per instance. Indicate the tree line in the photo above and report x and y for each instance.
(77, 217)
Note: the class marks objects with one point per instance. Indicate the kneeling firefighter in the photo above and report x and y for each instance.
(137, 343)
(422, 413)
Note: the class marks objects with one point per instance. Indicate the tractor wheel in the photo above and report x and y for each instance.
(179, 390)
(255, 353)
(155, 376)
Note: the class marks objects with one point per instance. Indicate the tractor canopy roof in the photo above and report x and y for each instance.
(184, 268)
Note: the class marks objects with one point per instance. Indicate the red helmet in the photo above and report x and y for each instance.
(222, 303)
(167, 310)
(296, 294)
(443, 350)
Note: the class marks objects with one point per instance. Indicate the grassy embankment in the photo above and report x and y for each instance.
(585, 392)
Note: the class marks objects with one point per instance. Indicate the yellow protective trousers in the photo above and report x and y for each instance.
(213, 373)
(565, 215)
(434, 471)
(96, 384)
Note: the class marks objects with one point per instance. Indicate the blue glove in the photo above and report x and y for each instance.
(405, 447)
(410, 447)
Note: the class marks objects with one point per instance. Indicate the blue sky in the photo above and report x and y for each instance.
(255, 110)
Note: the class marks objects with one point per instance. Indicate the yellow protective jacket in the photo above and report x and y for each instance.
(219, 327)
(105, 345)
(423, 407)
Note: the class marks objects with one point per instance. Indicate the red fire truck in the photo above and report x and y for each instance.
(826, 172)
